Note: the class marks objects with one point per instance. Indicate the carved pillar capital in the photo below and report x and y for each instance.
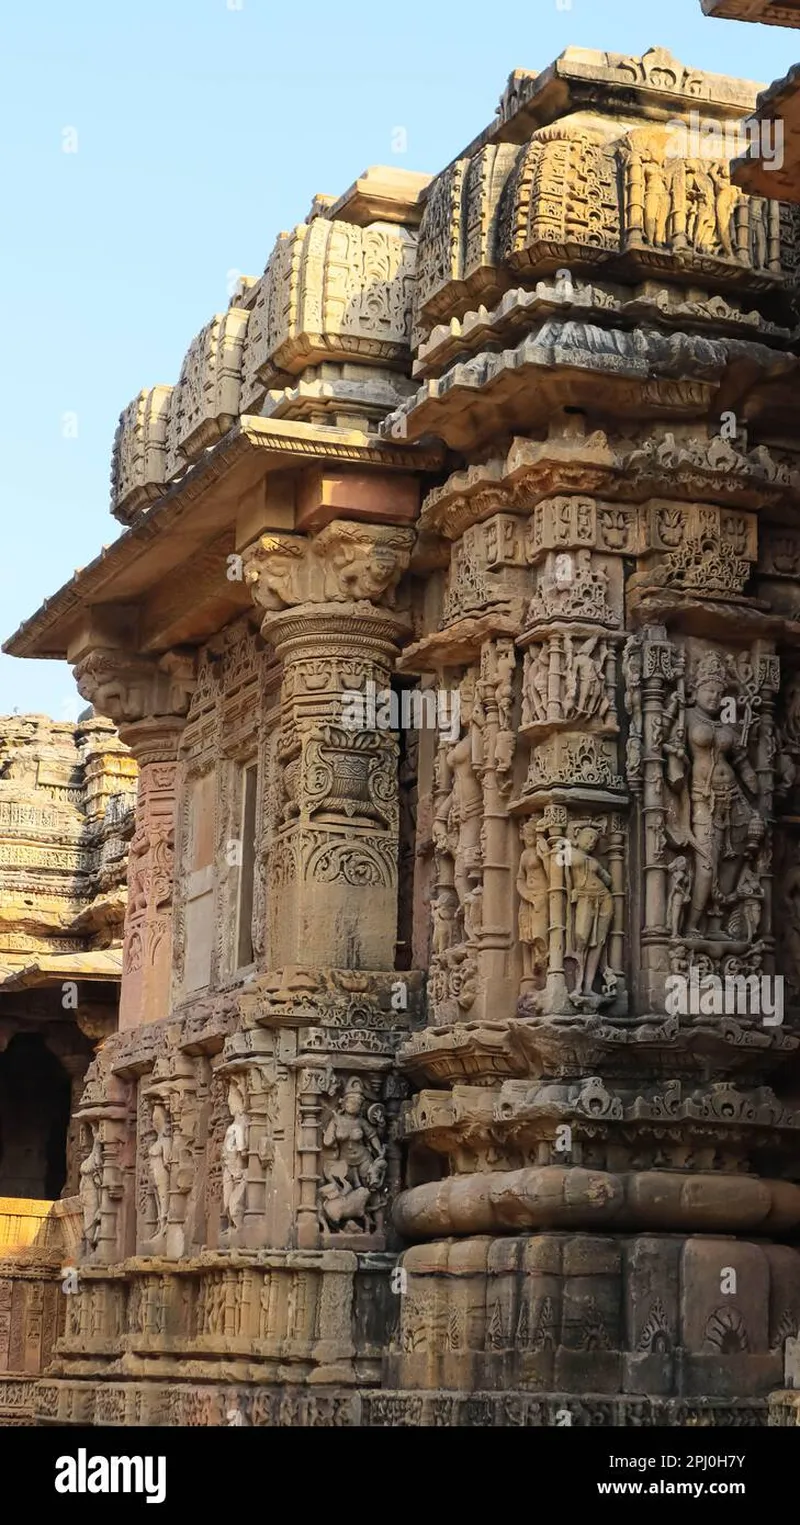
(366, 635)
(137, 691)
(346, 563)
(154, 739)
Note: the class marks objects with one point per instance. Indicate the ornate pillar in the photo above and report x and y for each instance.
(148, 700)
(332, 870)
(106, 1123)
(332, 1005)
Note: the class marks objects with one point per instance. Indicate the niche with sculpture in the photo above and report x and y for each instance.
(247, 1155)
(352, 1194)
(567, 911)
(706, 728)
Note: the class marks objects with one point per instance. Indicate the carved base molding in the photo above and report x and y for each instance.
(17, 1401)
(654, 1314)
(150, 1403)
(554, 1196)
(522, 1330)
(784, 1409)
(284, 1316)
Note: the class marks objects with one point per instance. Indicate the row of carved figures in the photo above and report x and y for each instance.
(693, 200)
(706, 761)
(353, 1163)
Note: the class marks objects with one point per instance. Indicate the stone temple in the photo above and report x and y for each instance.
(454, 627)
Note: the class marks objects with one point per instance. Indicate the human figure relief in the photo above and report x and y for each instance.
(235, 1157)
(533, 888)
(632, 669)
(727, 196)
(353, 1163)
(89, 1189)
(590, 910)
(787, 739)
(150, 867)
(680, 893)
(504, 684)
(503, 693)
(461, 810)
(702, 220)
(657, 203)
(709, 776)
(537, 678)
(584, 688)
(747, 898)
(758, 232)
(444, 848)
(159, 1158)
(444, 909)
(138, 871)
(473, 913)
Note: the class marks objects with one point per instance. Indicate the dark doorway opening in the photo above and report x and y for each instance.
(34, 1118)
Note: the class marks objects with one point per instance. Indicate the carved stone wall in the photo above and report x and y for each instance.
(462, 1088)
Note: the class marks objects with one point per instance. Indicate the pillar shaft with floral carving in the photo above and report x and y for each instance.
(148, 700)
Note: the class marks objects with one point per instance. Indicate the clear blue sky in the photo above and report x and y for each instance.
(204, 127)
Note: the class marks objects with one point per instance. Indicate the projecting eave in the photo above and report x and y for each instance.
(100, 965)
(166, 576)
(770, 12)
(772, 168)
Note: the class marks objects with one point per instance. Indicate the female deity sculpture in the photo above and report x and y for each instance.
(533, 888)
(235, 1158)
(353, 1163)
(91, 1181)
(590, 911)
(657, 202)
(727, 198)
(159, 1157)
(461, 809)
(710, 778)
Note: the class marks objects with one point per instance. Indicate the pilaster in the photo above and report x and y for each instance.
(148, 700)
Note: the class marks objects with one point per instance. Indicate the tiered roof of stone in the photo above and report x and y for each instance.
(413, 311)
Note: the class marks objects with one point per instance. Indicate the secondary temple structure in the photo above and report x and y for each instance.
(454, 627)
(66, 812)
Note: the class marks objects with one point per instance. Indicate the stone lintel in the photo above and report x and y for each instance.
(324, 495)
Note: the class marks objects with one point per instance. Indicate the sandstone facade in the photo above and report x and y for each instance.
(67, 797)
(404, 1122)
